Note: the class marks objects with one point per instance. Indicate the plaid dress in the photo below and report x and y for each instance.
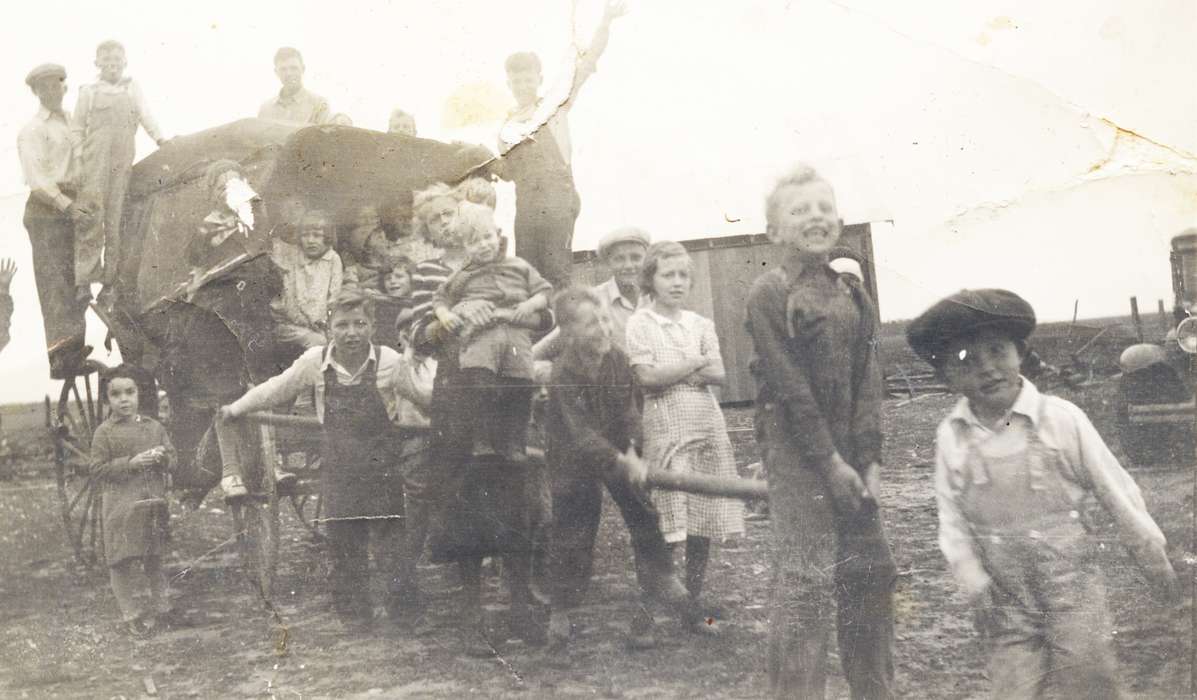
(684, 429)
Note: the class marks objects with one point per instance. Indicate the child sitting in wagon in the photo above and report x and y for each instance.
(1019, 476)
(130, 454)
(497, 357)
(312, 278)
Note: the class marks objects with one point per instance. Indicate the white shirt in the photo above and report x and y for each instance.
(1061, 425)
(395, 381)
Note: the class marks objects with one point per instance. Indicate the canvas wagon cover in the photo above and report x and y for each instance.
(334, 168)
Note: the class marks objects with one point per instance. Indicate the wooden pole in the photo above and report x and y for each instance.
(727, 487)
(1164, 320)
(1135, 317)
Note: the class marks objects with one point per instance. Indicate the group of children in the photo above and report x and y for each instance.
(1019, 475)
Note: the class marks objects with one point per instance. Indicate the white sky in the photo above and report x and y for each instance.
(981, 133)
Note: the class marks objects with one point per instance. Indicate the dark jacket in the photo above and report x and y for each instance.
(591, 420)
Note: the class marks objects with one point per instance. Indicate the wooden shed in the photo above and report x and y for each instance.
(724, 269)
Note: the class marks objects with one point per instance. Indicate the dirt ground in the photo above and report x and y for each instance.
(59, 637)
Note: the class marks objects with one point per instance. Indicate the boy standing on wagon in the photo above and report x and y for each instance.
(358, 387)
(130, 454)
(819, 428)
(1018, 477)
(105, 123)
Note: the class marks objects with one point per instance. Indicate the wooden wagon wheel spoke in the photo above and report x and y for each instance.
(87, 424)
(78, 415)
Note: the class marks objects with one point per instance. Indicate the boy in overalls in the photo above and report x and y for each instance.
(1018, 477)
(105, 123)
(357, 387)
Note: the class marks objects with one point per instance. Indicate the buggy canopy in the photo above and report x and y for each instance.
(335, 168)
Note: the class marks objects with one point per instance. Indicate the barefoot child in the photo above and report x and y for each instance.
(105, 123)
(498, 356)
(675, 356)
(819, 428)
(130, 454)
(1019, 476)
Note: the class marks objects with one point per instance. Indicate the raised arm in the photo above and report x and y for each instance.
(587, 62)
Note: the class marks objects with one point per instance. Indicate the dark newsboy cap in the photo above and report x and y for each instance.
(964, 314)
(43, 71)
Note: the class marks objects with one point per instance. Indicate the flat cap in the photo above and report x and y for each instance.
(627, 234)
(964, 314)
(43, 71)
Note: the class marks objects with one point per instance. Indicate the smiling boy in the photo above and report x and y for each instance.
(358, 388)
(1018, 478)
(819, 428)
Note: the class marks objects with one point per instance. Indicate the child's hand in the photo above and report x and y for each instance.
(1160, 575)
(846, 486)
(8, 268)
(981, 606)
(614, 10)
(80, 216)
(142, 460)
(634, 468)
(225, 413)
(451, 321)
(524, 310)
(476, 312)
(872, 482)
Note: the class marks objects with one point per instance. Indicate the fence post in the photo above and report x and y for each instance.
(1135, 316)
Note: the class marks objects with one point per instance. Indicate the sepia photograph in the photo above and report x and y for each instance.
(598, 348)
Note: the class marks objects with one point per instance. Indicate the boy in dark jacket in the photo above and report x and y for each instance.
(593, 429)
(819, 428)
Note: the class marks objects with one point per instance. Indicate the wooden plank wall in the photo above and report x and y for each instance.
(724, 270)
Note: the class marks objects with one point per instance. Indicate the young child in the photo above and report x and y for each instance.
(675, 355)
(498, 357)
(818, 425)
(1019, 476)
(593, 432)
(312, 278)
(393, 306)
(358, 387)
(105, 123)
(130, 454)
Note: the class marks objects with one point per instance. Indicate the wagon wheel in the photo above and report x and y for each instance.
(77, 415)
(306, 503)
(255, 520)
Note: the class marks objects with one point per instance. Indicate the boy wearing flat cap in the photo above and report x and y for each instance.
(1018, 475)
(819, 428)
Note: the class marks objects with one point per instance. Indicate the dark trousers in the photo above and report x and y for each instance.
(497, 409)
(545, 213)
(349, 545)
(577, 506)
(52, 238)
(824, 561)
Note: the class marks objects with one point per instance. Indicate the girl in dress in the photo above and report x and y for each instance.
(130, 454)
(674, 353)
